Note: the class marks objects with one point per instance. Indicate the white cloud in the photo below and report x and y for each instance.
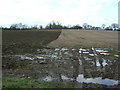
(66, 11)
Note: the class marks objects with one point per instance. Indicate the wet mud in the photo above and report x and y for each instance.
(85, 66)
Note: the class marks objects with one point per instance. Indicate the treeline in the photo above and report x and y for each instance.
(57, 25)
(51, 25)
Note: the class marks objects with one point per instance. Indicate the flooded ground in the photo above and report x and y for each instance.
(93, 65)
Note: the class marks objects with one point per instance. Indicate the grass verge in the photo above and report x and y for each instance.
(22, 82)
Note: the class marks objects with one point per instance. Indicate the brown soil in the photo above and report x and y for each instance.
(86, 38)
(23, 41)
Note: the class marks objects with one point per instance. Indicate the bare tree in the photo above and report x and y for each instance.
(114, 26)
(89, 27)
(41, 27)
(103, 26)
(13, 26)
(85, 26)
(19, 26)
(24, 26)
(34, 27)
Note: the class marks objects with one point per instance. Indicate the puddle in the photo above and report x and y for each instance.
(85, 52)
(97, 63)
(105, 53)
(57, 49)
(80, 62)
(116, 55)
(26, 58)
(104, 63)
(82, 79)
(64, 49)
(38, 57)
(65, 78)
(82, 49)
(97, 80)
(93, 54)
(68, 64)
(48, 78)
(101, 51)
(54, 56)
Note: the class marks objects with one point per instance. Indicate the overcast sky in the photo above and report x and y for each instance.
(41, 12)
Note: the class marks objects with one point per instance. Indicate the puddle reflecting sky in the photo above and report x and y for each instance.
(94, 65)
(97, 80)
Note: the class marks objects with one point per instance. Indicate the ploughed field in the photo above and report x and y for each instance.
(60, 59)
(16, 41)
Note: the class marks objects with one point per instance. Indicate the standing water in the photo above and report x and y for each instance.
(94, 65)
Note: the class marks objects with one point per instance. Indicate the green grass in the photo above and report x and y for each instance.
(17, 82)
(22, 82)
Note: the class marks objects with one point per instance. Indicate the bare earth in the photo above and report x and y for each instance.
(86, 39)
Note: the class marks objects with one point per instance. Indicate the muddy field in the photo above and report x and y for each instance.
(77, 59)
(80, 67)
